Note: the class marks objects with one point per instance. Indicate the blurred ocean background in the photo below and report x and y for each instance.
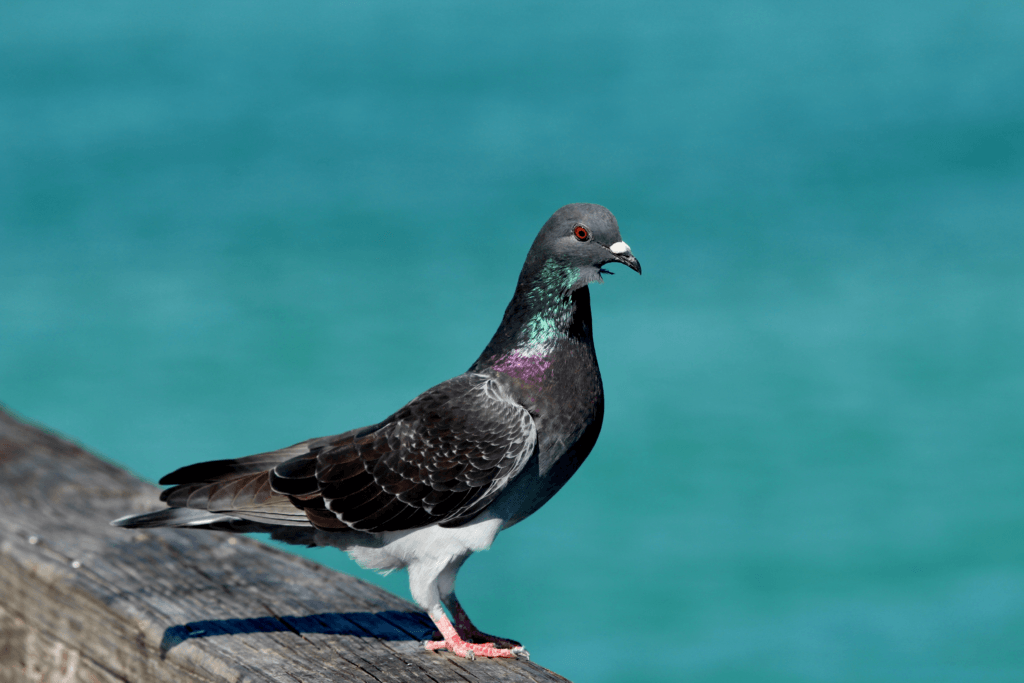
(226, 227)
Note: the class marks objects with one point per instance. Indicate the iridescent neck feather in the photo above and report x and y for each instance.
(551, 306)
(548, 308)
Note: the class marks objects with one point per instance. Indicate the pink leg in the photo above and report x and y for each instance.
(456, 645)
(471, 633)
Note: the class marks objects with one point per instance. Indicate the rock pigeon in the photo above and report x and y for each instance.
(436, 481)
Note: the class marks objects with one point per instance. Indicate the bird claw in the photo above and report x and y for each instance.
(470, 651)
(464, 645)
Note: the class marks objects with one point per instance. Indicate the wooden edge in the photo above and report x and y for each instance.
(81, 600)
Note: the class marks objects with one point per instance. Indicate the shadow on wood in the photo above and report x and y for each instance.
(388, 625)
(83, 601)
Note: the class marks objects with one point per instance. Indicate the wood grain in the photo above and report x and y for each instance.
(83, 601)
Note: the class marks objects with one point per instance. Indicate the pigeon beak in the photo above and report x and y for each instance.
(624, 256)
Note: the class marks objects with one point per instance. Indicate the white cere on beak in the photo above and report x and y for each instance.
(619, 248)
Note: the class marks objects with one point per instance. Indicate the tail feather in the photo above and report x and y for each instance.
(174, 517)
(201, 519)
(236, 495)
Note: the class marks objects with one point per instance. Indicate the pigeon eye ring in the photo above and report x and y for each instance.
(581, 233)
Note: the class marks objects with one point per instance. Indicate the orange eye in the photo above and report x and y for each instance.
(582, 234)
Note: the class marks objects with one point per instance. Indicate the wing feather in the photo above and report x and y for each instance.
(440, 459)
(445, 456)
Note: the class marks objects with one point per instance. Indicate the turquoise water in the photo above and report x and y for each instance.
(228, 227)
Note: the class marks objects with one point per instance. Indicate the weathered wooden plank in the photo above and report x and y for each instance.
(83, 601)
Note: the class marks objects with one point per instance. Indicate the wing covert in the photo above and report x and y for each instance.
(440, 459)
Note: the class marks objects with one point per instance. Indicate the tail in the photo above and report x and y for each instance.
(225, 495)
(236, 496)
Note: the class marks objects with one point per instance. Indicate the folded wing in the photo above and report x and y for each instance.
(440, 459)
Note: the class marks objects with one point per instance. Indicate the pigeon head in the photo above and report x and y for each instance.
(551, 303)
(578, 240)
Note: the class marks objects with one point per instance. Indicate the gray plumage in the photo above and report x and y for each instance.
(439, 478)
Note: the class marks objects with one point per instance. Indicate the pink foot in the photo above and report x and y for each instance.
(460, 647)
(456, 645)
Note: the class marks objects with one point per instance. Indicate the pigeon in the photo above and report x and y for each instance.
(437, 480)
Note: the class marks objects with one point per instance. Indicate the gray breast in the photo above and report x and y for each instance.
(567, 412)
